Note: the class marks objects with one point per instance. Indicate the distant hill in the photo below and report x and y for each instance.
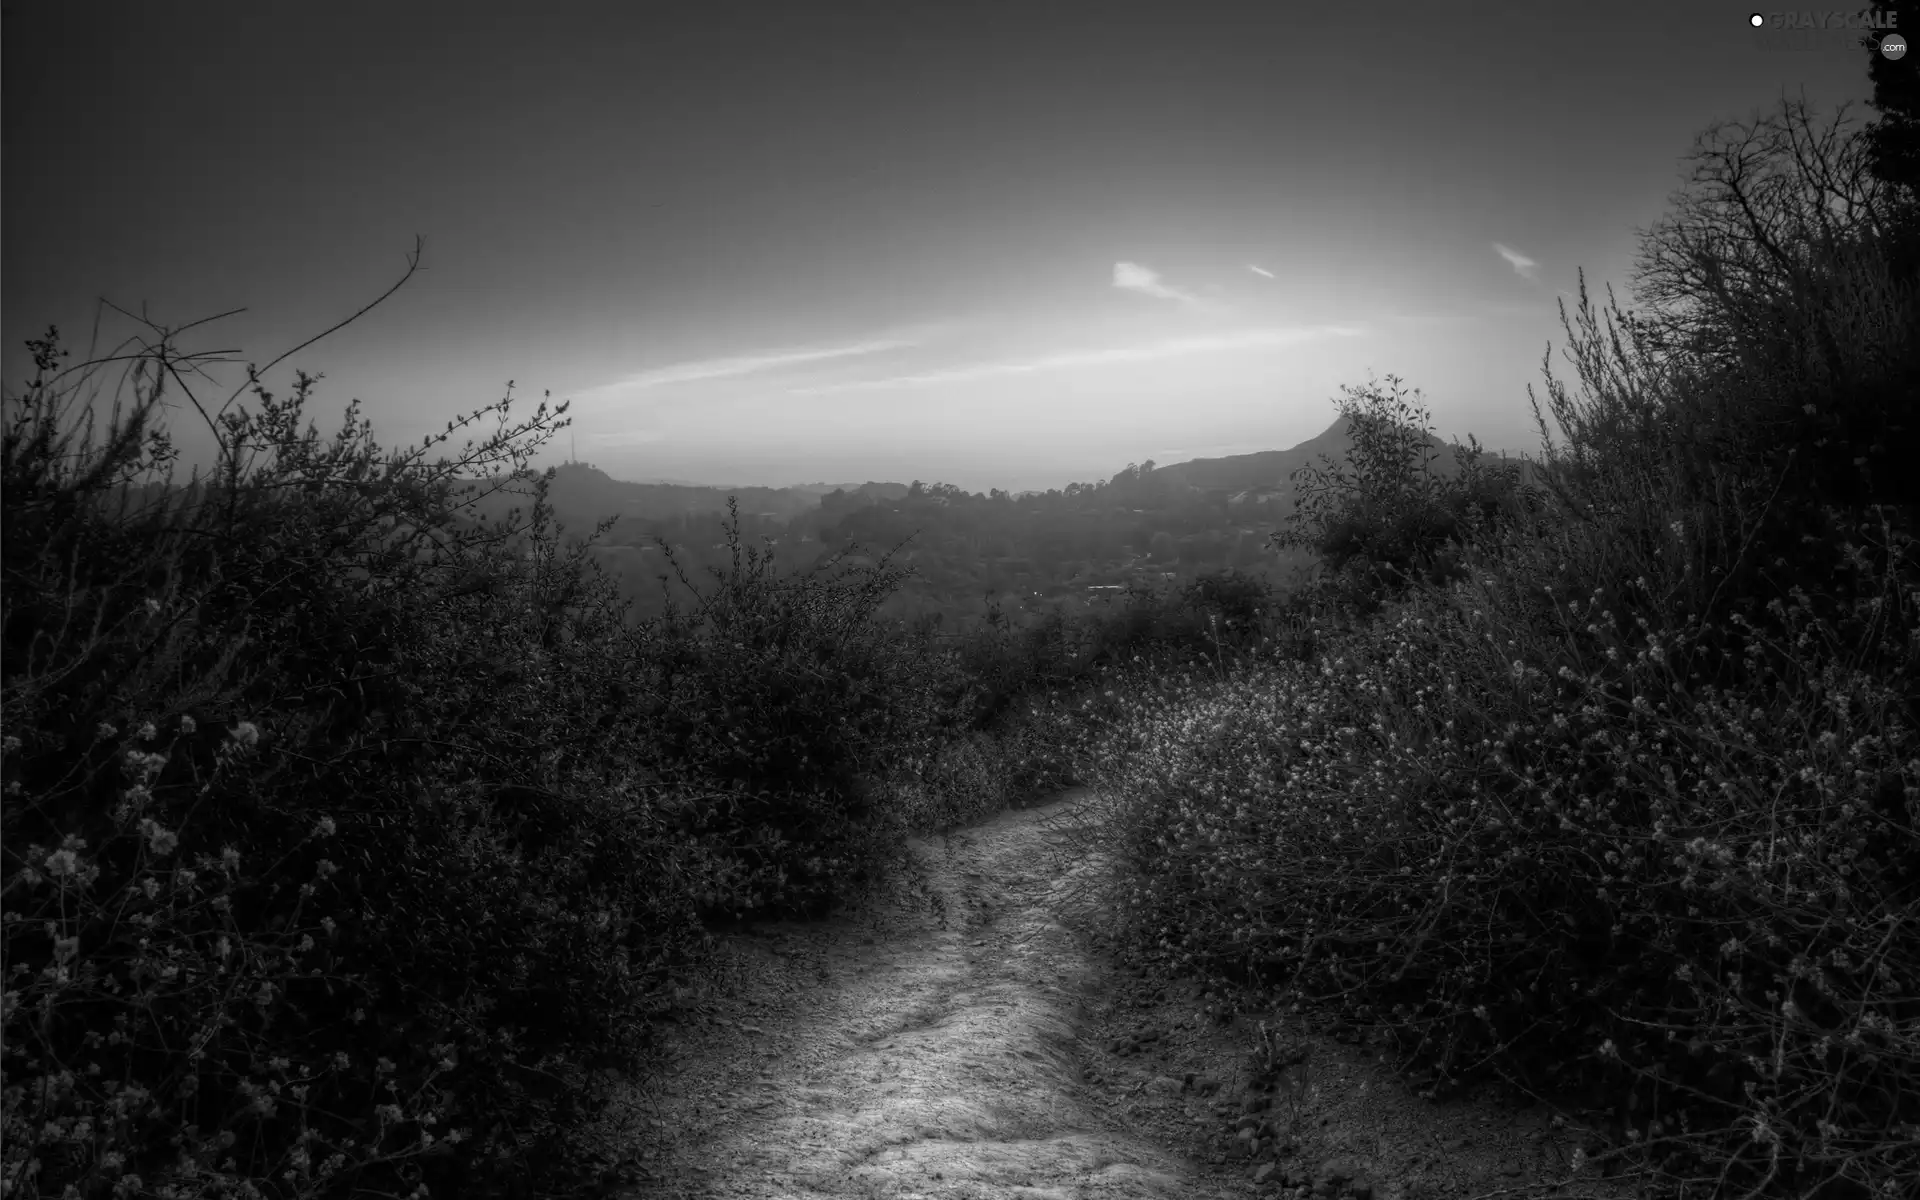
(821, 489)
(1267, 469)
(582, 495)
(1060, 551)
(579, 488)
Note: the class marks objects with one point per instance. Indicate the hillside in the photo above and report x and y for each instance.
(582, 494)
(1064, 549)
(1270, 469)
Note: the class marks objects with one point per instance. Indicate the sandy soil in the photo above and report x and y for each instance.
(985, 1045)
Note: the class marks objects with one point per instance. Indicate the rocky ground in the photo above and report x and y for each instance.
(988, 1045)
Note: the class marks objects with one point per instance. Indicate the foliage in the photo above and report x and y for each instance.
(1382, 520)
(356, 841)
(276, 921)
(356, 838)
(1773, 290)
(784, 694)
(1894, 139)
(353, 837)
(1625, 801)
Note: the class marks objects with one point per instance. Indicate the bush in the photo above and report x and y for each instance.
(1775, 288)
(356, 843)
(1625, 799)
(787, 698)
(1383, 521)
(315, 878)
(1429, 818)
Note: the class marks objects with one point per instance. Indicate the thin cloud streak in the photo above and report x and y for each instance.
(1245, 339)
(1261, 271)
(1132, 277)
(1525, 266)
(747, 364)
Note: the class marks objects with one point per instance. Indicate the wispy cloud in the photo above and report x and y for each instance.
(1132, 277)
(1525, 266)
(747, 364)
(1212, 343)
(1261, 271)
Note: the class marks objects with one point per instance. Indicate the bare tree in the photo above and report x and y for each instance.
(1774, 282)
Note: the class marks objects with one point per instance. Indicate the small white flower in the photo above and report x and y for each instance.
(161, 841)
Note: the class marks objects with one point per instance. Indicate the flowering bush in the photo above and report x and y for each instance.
(1625, 799)
(355, 844)
(272, 923)
(1511, 862)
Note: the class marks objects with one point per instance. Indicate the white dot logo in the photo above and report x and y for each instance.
(1756, 20)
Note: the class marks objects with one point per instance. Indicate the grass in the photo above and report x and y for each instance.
(356, 846)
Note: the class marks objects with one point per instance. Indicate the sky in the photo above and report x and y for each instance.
(990, 244)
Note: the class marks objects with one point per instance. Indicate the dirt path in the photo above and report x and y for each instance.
(986, 1047)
